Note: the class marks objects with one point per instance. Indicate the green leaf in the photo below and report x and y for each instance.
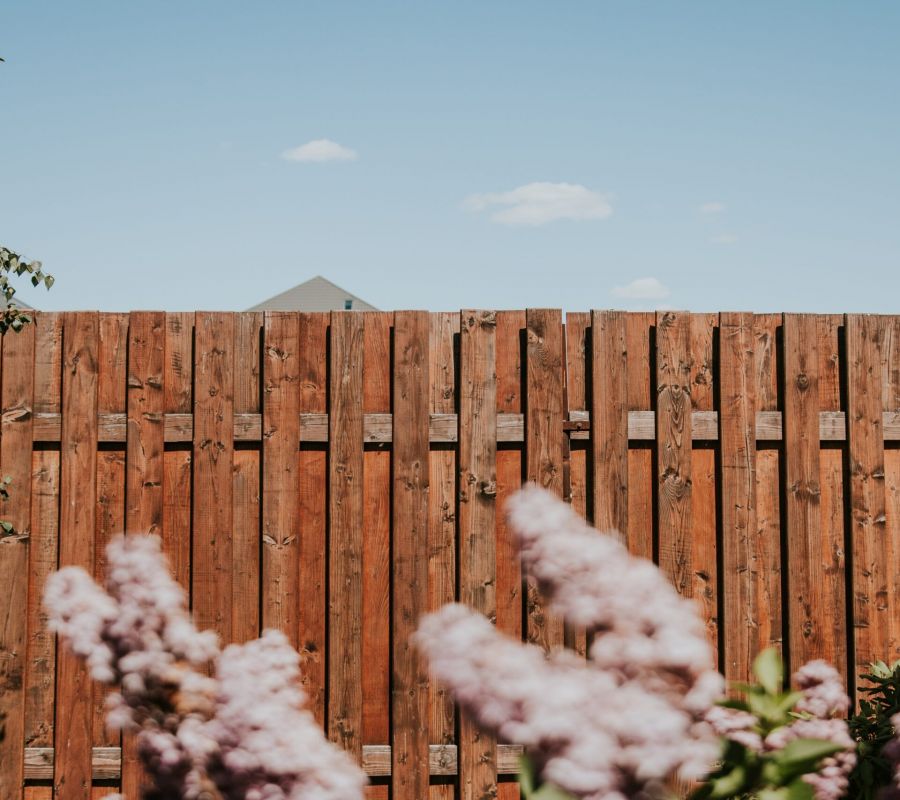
(806, 750)
(550, 791)
(773, 794)
(769, 670)
(526, 775)
(788, 700)
(799, 790)
(730, 784)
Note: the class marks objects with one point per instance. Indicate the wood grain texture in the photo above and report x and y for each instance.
(576, 482)
(609, 415)
(78, 482)
(15, 462)
(112, 398)
(641, 379)
(212, 509)
(377, 491)
(477, 512)
(833, 564)
(673, 431)
(146, 406)
(545, 452)
(312, 489)
(42, 560)
(280, 511)
(510, 468)
(178, 463)
(409, 600)
(43, 551)
(741, 560)
(246, 585)
(704, 534)
(892, 509)
(809, 637)
(346, 532)
(442, 521)
(768, 366)
(874, 605)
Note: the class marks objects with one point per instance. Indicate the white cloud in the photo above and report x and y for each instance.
(724, 238)
(542, 202)
(319, 150)
(642, 289)
(714, 207)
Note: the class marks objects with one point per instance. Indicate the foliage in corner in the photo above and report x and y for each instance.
(749, 770)
(11, 263)
(871, 728)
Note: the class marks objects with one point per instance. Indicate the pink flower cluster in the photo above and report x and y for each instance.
(823, 697)
(609, 727)
(242, 734)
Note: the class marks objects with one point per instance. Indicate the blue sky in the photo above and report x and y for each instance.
(701, 155)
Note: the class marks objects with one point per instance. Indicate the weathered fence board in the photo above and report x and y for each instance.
(337, 475)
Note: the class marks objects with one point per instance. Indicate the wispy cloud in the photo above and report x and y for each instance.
(642, 289)
(714, 207)
(724, 238)
(320, 150)
(542, 202)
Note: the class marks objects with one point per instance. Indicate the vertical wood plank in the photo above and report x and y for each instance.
(510, 467)
(213, 443)
(768, 486)
(346, 531)
(544, 446)
(741, 561)
(704, 544)
(312, 366)
(376, 582)
(245, 621)
(609, 415)
(673, 442)
(442, 521)
(477, 510)
(835, 496)
(577, 453)
(178, 462)
(112, 390)
(640, 378)
(15, 462)
(874, 606)
(809, 636)
(577, 334)
(145, 432)
(43, 553)
(892, 507)
(409, 690)
(281, 434)
(179, 374)
(78, 480)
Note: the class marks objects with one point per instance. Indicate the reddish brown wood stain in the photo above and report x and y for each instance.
(343, 544)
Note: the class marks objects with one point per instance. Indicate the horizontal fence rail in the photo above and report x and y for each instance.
(336, 475)
(378, 428)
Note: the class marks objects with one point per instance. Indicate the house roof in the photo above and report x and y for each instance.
(316, 294)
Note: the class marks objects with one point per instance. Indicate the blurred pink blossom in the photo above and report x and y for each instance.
(608, 727)
(242, 734)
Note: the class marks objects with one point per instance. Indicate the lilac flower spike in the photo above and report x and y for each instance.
(242, 735)
(610, 727)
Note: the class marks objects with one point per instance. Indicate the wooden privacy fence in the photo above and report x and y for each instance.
(337, 475)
